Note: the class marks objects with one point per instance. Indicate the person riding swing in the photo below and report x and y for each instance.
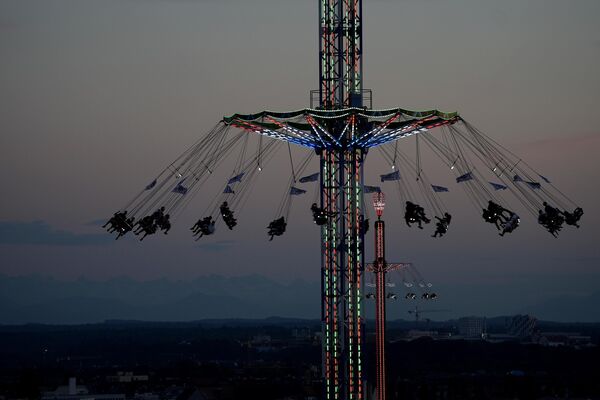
(414, 213)
(441, 227)
(227, 215)
(276, 227)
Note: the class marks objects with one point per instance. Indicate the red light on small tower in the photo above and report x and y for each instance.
(378, 203)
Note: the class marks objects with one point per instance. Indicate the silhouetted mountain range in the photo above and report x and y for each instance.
(35, 299)
(46, 300)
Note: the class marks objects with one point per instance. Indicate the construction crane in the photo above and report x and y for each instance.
(417, 313)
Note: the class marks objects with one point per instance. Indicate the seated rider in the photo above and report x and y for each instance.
(118, 221)
(201, 225)
(206, 226)
(545, 222)
(503, 213)
(144, 224)
(553, 228)
(196, 227)
(511, 224)
(149, 230)
(415, 213)
(548, 223)
(550, 211)
(150, 223)
(551, 219)
(441, 227)
(410, 213)
(276, 227)
(115, 220)
(494, 214)
(126, 227)
(421, 214)
(319, 215)
(209, 229)
(158, 214)
(230, 222)
(227, 215)
(497, 208)
(574, 217)
(164, 224)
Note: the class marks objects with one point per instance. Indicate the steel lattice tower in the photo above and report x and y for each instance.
(342, 263)
(340, 53)
(380, 268)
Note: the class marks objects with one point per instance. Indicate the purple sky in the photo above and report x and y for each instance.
(98, 96)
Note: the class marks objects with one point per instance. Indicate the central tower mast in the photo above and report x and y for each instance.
(340, 53)
(342, 263)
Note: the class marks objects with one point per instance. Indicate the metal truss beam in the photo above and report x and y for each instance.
(342, 271)
(340, 53)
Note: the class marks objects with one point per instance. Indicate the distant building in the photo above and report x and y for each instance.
(78, 392)
(557, 339)
(301, 333)
(522, 326)
(260, 339)
(471, 327)
(126, 377)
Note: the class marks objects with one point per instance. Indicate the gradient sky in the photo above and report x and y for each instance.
(97, 96)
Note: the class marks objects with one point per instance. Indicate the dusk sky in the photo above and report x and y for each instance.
(96, 97)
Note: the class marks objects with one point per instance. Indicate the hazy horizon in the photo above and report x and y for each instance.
(37, 299)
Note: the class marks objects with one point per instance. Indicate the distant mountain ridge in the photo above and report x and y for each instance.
(46, 300)
(35, 299)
